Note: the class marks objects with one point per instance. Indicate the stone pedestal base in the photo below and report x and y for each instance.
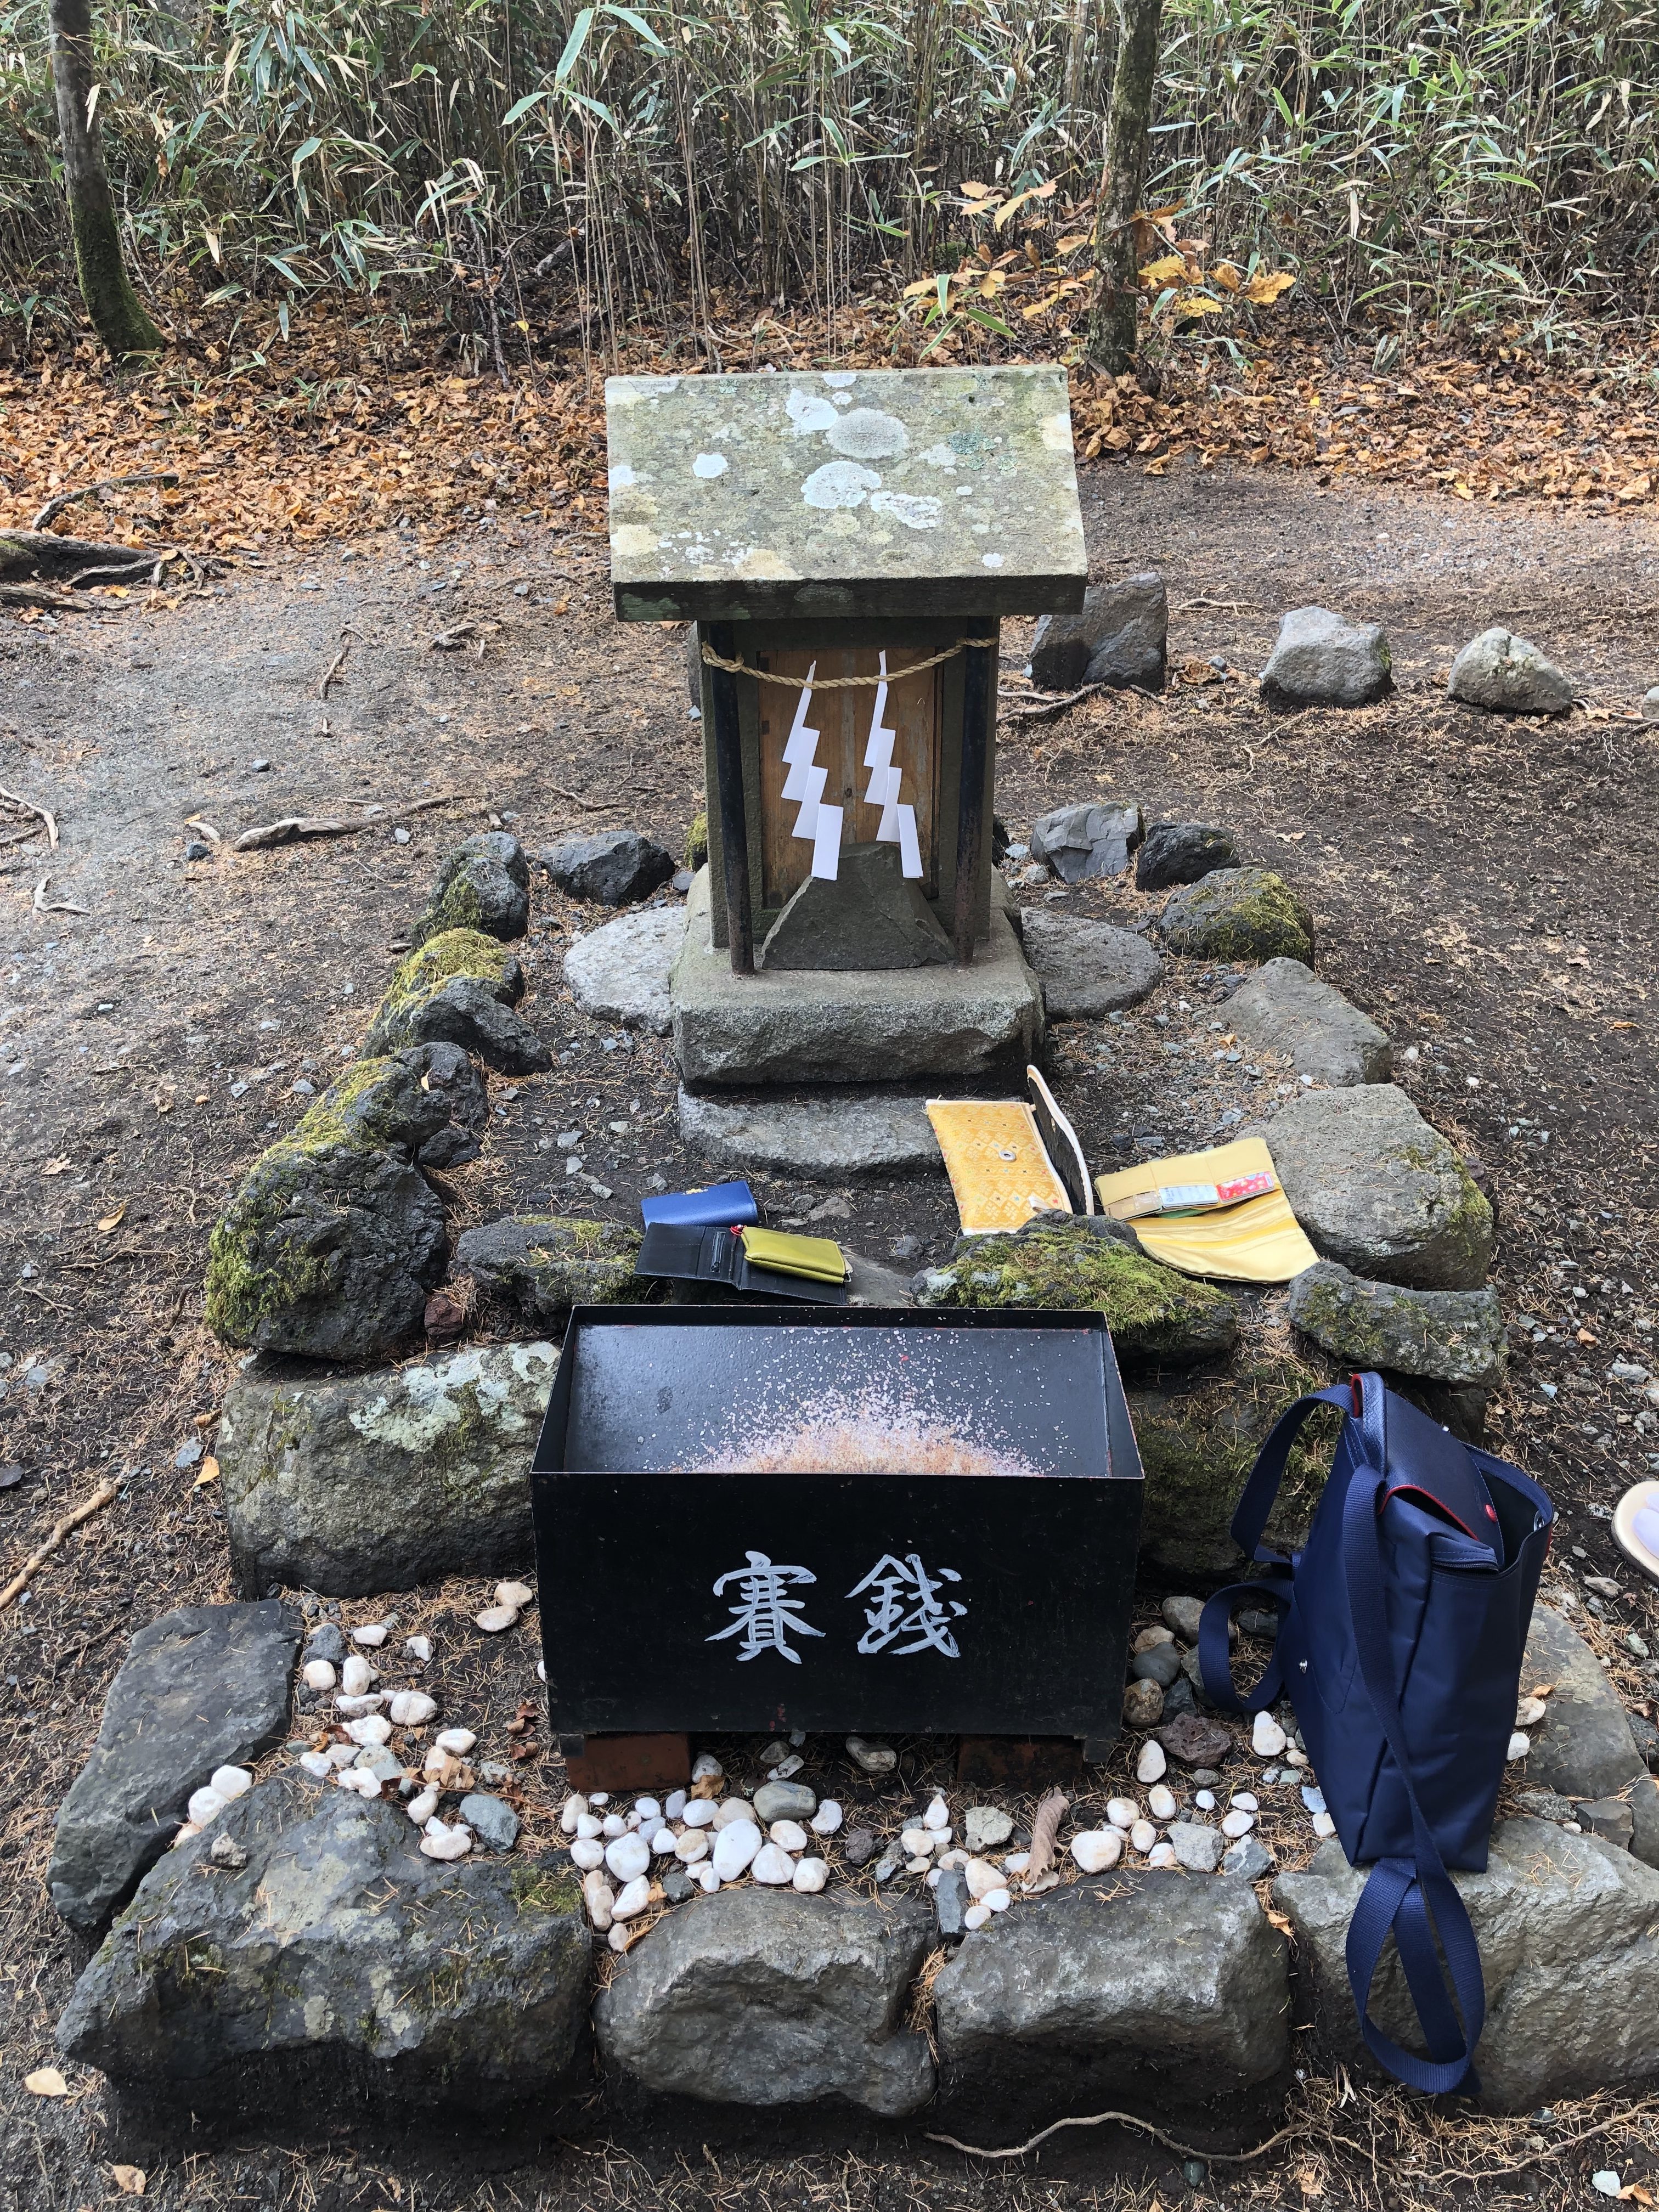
(818, 1025)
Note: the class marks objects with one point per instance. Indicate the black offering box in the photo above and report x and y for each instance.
(715, 1555)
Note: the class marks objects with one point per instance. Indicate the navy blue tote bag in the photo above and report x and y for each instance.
(1402, 1630)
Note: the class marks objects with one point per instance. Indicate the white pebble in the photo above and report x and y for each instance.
(996, 1901)
(574, 1808)
(1016, 1862)
(596, 1796)
(735, 1846)
(441, 1765)
(632, 1899)
(1151, 1764)
(981, 1878)
(938, 1814)
(675, 1805)
(318, 1763)
(230, 1782)
(828, 1818)
(976, 1916)
(648, 1810)
(618, 1937)
(627, 1857)
(587, 1854)
(1295, 1758)
(372, 1637)
(932, 1877)
(706, 1874)
(1142, 1837)
(1161, 1803)
(358, 1779)
(788, 1835)
(1122, 1813)
(632, 1821)
(1267, 1739)
(353, 1708)
(613, 1825)
(1098, 1848)
(1323, 1824)
(342, 1754)
(495, 1618)
(691, 1846)
(773, 1867)
(373, 1728)
(1162, 1855)
(420, 1809)
(1237, 1824)
(917, 1843)
(810, 1875)
(599, 1897)
(699, 1813)
(706, 1768)
(318, 1674)
(918, 1866)
(418, 1647)
(517, 1594)
(1529, 1712)
(412, 1708)
(588, 1824)
(355, 1674)
(1520, 1745)
(1244, 1801)
(461, 1740)
(787, 1767)
(205, 1804)
(1204, 1800)
(663, 1842)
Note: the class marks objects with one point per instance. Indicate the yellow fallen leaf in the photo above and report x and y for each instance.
(1261, 291)
(209, 1472)
(1168, 268)
(46, 2082)
(114, 1220)
(129, 2179)
(1226, 276)
(1196, 303)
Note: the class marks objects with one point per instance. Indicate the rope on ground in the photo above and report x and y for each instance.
(1128, 2120)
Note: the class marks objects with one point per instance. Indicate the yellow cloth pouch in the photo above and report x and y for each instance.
(820, 1259)
(1259, 1241)
(999, 1169)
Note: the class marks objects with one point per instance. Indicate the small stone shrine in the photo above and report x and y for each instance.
(845, 545)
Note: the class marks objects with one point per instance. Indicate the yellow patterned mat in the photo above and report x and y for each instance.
(994, 1158)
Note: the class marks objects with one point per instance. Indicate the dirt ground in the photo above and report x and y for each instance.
(1483, 886)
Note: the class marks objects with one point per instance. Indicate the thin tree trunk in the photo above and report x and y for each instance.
(1112, 322)
(111, 301)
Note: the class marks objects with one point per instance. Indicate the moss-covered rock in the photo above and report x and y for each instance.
(1238, 915)
(1155, 1314)
(483, 884)
(1198, 1443)
(1447, 1336)
(696, 839)
(544, 1263)
(328, 1249)
(459, 987)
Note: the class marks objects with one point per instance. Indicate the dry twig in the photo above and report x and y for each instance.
(1050, 707)
(29, 807)
(55, 506)
(42, 904)
(335, 665)
(106, 1494)
(1128, 2120)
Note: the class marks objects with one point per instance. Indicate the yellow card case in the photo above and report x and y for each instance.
(1259, 1241)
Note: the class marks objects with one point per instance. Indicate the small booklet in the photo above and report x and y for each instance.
(1192, 1197)
(688, 1253)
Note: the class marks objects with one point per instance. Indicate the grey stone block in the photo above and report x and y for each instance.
(1120, 637)
(858, 1137)
(1508, 675)
(1584, 1747)
(819, 1026)
(613, 867)
(871, 915)
(1079, 842)
(1569, 1933)
(1377, 1189)
(1087, 968)
(619, 973)
(1447, 1336)
(1320, 659)
(336, 1956)
(763, 1997)
(460, 988)
(1285, 1008)
(205, 1687)
(354, 1485)
(1152, 1984)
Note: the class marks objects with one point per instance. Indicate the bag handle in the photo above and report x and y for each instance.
(1399, 1892)
(1250, 1520)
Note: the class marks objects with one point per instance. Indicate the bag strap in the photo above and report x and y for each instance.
(1400, 1892)
(1250, 1520)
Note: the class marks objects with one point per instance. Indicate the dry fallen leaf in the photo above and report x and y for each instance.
(56, 1167)
(209, 1472)
(114, 1220)
(46, 2082)
(129, 2179)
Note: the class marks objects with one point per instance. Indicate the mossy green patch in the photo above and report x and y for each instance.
(252, 1272)
(461, 951)
(697, 839)
(546, 1889)
(1238, 915)
(1154, 1313)
(457, 906)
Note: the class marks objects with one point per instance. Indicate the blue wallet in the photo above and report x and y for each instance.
(702, 1209)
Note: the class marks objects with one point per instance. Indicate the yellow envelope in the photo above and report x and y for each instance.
(1259, 1241)
(999, 1169)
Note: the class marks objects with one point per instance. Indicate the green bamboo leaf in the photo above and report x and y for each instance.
(574, 45)
(636, 22)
